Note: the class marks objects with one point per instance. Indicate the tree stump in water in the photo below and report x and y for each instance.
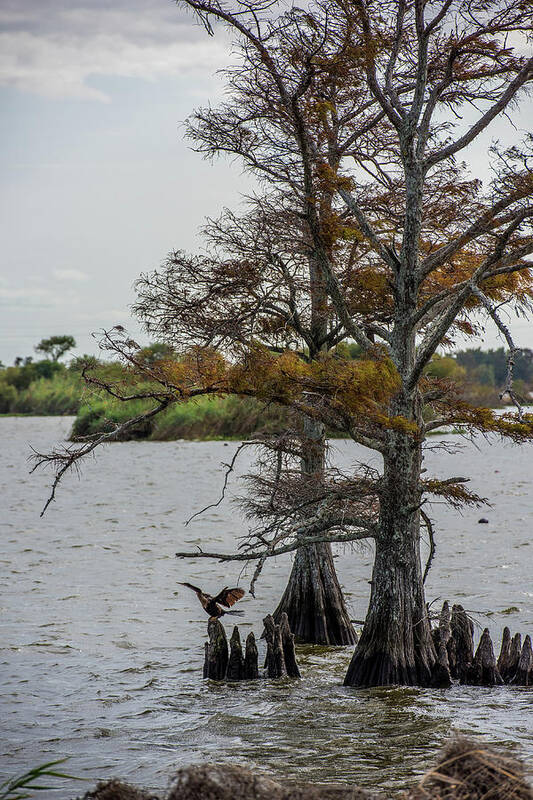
(463, 635)
(275, 658)
(287, 641)
(216, 651)
(484, 671)
(235, 671)
(441, 675)
(514, 656)
(251, 669)
(505, 655)
(524, 671)
(280, 656)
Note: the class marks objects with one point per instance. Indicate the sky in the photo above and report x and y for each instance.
(97, 182)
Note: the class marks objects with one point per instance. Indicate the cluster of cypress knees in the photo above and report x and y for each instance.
(457, 660)
(280, 658)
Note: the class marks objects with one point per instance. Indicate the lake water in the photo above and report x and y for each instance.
(102, 652)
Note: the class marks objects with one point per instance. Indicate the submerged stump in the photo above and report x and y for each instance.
(441, 675)
(216, 651)
(524, 671)
(505, 655)
(275, 657)
(235, 671)
(484, 671)
(251, 667)
(463, 635)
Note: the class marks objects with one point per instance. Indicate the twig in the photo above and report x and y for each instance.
(432, 546)
(70, 456)
(229, 470)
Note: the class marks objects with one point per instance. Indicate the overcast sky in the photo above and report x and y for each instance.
(97, 182)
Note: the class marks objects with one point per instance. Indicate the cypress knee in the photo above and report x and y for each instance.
(216, 651)
(484, 671)
(235, 671)
(251, 669)
(287, 639)
(441, 675)
(514, 656)
(505, 655)
(524, 672)
(275, 659)
(462, 631)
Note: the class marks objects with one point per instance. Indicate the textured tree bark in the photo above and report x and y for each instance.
(313, 599)
(251, 669)
(275, 657)
(289, 653)
(235, 671)
(396, 646)
(524, 671)
(216, 651)
(484, 671)
(463, 634)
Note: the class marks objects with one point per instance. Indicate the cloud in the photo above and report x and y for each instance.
(55, 47)
(34, 297)
(70, 275)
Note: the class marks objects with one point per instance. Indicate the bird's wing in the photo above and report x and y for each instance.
(190, 586)
(228, 597)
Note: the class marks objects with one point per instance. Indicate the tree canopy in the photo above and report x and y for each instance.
(56, 346)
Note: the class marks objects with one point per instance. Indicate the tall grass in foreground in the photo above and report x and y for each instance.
(17, 788)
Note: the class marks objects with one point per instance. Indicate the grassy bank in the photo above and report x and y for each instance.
(203, 418)
(56, 391)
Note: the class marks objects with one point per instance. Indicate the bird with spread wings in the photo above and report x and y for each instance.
(211, 605)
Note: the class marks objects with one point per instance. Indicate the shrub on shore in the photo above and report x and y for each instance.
(44, 388)
(204, 418)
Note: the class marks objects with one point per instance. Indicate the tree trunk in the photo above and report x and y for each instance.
(396, 646)
(313, 599)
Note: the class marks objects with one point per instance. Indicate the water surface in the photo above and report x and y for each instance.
(101, 651)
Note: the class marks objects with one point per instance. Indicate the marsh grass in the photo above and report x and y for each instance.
(17, 788)
(202, 418)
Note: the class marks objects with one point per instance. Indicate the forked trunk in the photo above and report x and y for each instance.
(396, 646)
(313, 599)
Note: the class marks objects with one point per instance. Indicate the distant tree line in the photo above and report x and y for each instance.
(48, 386)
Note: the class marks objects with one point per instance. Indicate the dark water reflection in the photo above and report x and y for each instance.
(102, 652)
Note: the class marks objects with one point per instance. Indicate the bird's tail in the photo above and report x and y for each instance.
(234, 612)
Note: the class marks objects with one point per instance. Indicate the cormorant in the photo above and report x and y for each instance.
(210, 604)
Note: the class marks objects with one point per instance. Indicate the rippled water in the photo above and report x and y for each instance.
(101, 652)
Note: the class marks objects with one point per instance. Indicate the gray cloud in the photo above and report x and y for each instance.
(54, 48)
